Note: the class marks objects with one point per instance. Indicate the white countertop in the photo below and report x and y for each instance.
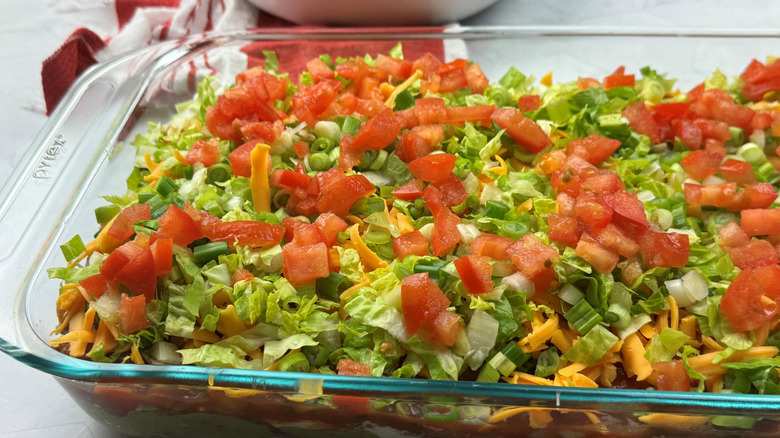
(32, 404)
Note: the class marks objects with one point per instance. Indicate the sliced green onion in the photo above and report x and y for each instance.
(342, 237)
(330, 339)
(316, 355)
(663, 218)
(514, 230)
(158, 206)
(205, 253)
(617, 315)
(502, 364)
(386, 191)
(377, 237)
(718, 219)
(333, 285)
(367, 206)
(583, 317)
(295, 362)
(520, 283)
(105, 213)
(327, 129)
(501, 96)
(368, 158)
(188, 172)
(488, 374)
(165, 186)
(379, 161)
(737, 136)
(496, 210)
(350, 125)
(678, 214)
(319, 161)
(219, 173)
(414, 212)
(322, 144)
(765, 172)
(752, 153)
(570, 294)
(515, 354)
(144, 197)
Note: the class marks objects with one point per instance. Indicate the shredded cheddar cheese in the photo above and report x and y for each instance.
(633, 354)
(261, 190)
(390, 102)
(369, 258)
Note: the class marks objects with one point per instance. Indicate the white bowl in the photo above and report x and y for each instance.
(373, 12)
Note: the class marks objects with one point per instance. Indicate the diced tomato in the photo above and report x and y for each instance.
(627, 206)
(430, 110)
(742, 303)
(319, 70)
(565, 204)
(672, 110)
(491, 245)
(247, 233)
(543, 279)
(665, 129)
(688, 133)
(475, 272)
(206, 152)
(618, 78)
(754, 254)
(132, 314)
(433, 168)
(754, 196)
(585, 83)
(529, 102)
(719, 105)
(762, 120)
(240, 275)
(531, 255)
(421, 301)
(564, 229)
(701, 164)
(339, 196)
(593, 148)
(162, 251)
(139, 275)
(521, 129)
(432, 134)
(614, 239)
(96, 284)
(642, 121)
(753, 72)
(118, 259)
(715, 195)
(445, 329)
(695, 93)
(330, 225)
(348, 367)
(760, 222)
(397, 68)
(475, 79)
(179, 226)
(769, 278)
(413, 243)
(377, 133)
(452, 81)
(122, 227)
(409, 191)
(602, 183)
(737, 171)
(445, 223)
(593, 210)
(411, 146)
(428, 63)
(407, 118)
(287, 179)
(672, 376)
(713, 129)
(303, 264)
(458, 115)
(453, 192)
(665, 249)
(732, 236)
(266, 132)
(598, 256)
(240, 159)
(761, 80)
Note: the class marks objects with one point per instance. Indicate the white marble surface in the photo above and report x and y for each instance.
(32, 404)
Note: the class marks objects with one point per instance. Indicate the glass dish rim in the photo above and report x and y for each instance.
(554, 397)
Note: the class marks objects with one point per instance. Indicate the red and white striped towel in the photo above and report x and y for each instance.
(134, 24)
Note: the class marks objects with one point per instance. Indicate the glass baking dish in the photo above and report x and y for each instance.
(79, 156)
